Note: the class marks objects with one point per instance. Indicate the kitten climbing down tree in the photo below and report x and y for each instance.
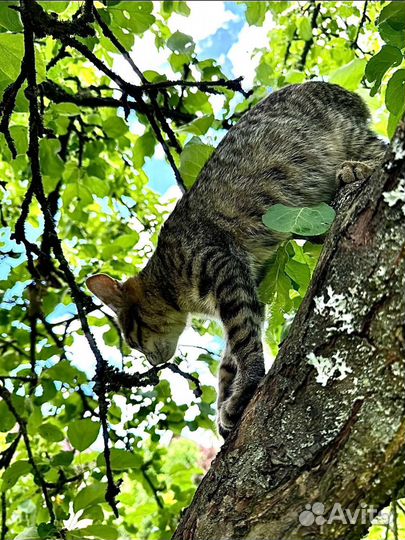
(294, 148)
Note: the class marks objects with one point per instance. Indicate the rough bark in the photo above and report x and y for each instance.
(300, 442)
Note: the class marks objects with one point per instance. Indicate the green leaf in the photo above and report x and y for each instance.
(199, 126)
(395, 93)
(65, 109)
(393, 123)
(90, 495)
(56, 7)
(193, 158)
(378, 65)
(94, 513)
(127, 241)
(134, 16)
(305, 29)
(144, 146)
(98, 531)
(47, 530)
(63, 458)
(275, 287)
(12, 48)
(64, 372)
(391, 35)
(121, 460)
(209, 394)
(181, 43)
(274, 290)
(9, 18)
(299, 273)
(7, 420)
(394, 13)
(30, 533)
(19, 135)
(51, 432)
(307, 221)
(349, 76)
(13, 473)
(255, 13)
(114, 127)
(97, 186)
(51, 163)
(83, 433)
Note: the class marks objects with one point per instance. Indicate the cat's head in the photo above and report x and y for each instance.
(147, 323)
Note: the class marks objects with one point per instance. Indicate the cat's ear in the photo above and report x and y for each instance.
(107, 289)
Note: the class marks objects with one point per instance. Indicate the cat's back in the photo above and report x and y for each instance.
(285, 149)
(292, 124)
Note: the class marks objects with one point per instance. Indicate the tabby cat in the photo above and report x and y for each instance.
(295, 147)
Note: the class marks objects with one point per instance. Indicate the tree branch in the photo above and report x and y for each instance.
(310, 42)
(339, 440)
(79, 297)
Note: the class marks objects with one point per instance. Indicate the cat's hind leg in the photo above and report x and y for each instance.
(353, 171)
(369, 157)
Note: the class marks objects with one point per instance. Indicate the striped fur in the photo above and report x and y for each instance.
(293, 148)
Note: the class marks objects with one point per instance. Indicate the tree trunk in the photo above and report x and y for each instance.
(335, 433)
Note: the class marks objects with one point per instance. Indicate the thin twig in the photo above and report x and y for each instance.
(395, 519)
(4, 528)
(6, 396)
(361, 24)
(5, 344)
(175, 368)
(151, 116)
(7, 107)
(150, 484)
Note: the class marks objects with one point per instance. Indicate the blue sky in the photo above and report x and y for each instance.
(220, 31)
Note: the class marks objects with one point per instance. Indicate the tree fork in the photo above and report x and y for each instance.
(301, 442)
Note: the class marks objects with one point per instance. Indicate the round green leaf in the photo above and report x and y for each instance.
(83, 433)
(11, 47)
(101, 532)
(13, 473)
(394, 13)
(121, 460)
(181, 43)
(193, 158)
(255, 13)
(395, 94)
(115, 126)
(349, 76)
(7, 420)
(51, 432)
(391, 35)
(9, 18)
(380, 63)
(93, 494)
(307, 221)
(305, 29)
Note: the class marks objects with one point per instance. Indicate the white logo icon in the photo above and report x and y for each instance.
(312, 514)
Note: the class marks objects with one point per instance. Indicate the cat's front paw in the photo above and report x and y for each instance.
(353, 171)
